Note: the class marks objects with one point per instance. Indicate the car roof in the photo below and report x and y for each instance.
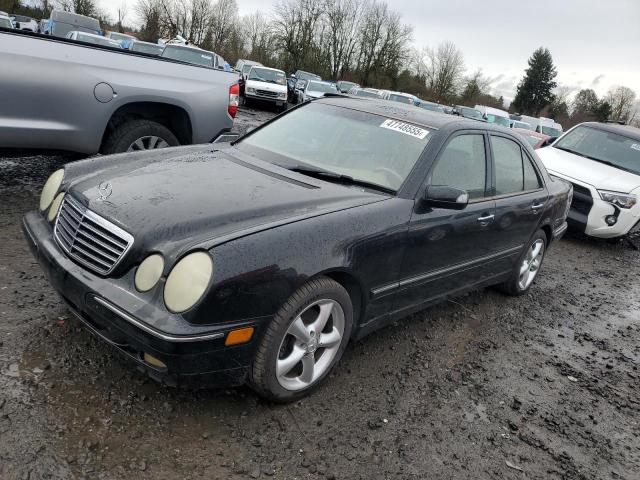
(408, 113)
(624, 130)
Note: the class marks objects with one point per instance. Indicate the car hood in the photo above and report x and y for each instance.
(269, 87)
(576, 167)
(182, 197)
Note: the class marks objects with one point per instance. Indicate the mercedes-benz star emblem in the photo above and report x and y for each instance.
(104, 190)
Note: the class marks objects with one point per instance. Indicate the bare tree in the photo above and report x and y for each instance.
(444, 71)
(622, 101)
(122, 13)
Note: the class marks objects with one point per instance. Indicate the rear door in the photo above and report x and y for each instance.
(520, 196)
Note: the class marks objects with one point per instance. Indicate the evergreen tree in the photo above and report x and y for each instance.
(534, 90)
(586, 102)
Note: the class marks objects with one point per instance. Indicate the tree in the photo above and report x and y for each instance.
(622, 101)
(476, 86)
(122, 13)
(535, 89)
(444, 67)
(585, 102)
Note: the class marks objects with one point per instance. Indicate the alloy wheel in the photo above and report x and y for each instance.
(531, 264)
(310, 344)
(149, 142)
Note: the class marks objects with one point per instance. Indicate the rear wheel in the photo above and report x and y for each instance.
(139, 134)
(528, 266)
(304, 341)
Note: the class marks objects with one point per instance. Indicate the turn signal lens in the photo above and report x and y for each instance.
(234, 99)
(55, 206)
(236, 337)
(188, 281)
(50, 189)
(149, 272)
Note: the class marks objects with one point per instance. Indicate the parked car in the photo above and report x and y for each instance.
(93, 39)
(364, 92)
(399, 97)
(266, 85)
(297, 82)
(243, 67)
(5, 22)
(603, 163)
(519, 124)
(265, 257)
(22, 22)
(101, 99)
(190, 54)
(315, 89)
(529, 122)
(468, 112)
(123, 39)
(494, 115)
(549, 127)
(146, 47)
(60, 23)
(434, 107)
(535, 139)
(344, 86)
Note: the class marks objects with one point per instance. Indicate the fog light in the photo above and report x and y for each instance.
(153, 361)
(611, 220)
(236, 337)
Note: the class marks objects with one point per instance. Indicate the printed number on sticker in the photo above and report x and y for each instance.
(635, 146)
(405, 128)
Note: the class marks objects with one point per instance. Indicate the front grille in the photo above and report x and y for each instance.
(88, 238)
(582, 200)
(267, 93)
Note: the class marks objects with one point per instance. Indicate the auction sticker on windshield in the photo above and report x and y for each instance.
(405, 128)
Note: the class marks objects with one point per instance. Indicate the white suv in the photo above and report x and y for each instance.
(266, 84)
(602, 161)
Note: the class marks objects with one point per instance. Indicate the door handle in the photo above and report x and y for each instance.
(486, 218)
(537, 206)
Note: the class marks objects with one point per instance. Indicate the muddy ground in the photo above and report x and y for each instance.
(486, 386)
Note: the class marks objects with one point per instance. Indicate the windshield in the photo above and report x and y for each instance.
(432, 107)
(321, 87)
(97, 40)
(367, 147)
(622, 152)
(470, 113)
(400, 98)
(61, 29)
(498, 120)
(366, 93)
(6, 23)
(246, 69)
(306, 76)
(147, 48)
(552, 132)
(119, 36)
(267, 75)
(189, 55)
(347, 85)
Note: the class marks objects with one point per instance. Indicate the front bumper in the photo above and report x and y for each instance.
(193, 355)
(260, 98)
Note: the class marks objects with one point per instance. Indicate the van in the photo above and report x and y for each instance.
(494, 115)
(60, 23)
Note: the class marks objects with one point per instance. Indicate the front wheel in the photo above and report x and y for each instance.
(528, 266)
(304, 341)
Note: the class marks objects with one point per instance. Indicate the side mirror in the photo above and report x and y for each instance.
(440, 196)
(293, 75)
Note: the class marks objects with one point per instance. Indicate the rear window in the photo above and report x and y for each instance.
(322, 87)
(147, 48)
(400, 98)
(61, 29)
(189, 55)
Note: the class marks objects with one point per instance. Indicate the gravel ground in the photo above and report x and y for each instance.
(482, 387)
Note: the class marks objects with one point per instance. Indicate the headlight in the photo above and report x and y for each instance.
(188, 281)
(50, 189)
(621, 200)
(250, 90)
(55, 206)
(149, 272)
(283, 95)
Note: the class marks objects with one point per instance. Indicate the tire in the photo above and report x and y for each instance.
(125, 135)
(514, 286)
(279, 346)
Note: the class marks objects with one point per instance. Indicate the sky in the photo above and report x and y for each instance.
(594, 43)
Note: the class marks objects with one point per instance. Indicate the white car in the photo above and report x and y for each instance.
(25, 23)
(266, 84)
(602, 161)
(494, 115)
(93, 39)
(316, 89)
(5, 22)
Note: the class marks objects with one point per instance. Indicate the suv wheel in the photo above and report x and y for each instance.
(139, 134)
(304, 341)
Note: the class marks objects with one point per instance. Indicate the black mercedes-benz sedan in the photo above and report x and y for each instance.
(257, 261)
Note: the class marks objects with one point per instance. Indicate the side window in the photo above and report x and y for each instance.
(531, 179)
(507, 165)
(463, 165)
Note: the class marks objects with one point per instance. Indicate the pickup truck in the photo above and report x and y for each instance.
(107, 100)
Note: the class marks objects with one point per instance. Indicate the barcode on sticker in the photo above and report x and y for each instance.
(635, 146)
(405, 128)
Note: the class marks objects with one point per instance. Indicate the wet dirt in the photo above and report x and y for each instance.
(543, 386)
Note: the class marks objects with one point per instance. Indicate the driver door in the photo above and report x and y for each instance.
(448, 250)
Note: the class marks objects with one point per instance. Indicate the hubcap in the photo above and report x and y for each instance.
(147, 143)
(310, 344)
(531, 264)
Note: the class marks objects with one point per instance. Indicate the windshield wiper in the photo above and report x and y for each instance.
(337, 177)
(599, 160)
